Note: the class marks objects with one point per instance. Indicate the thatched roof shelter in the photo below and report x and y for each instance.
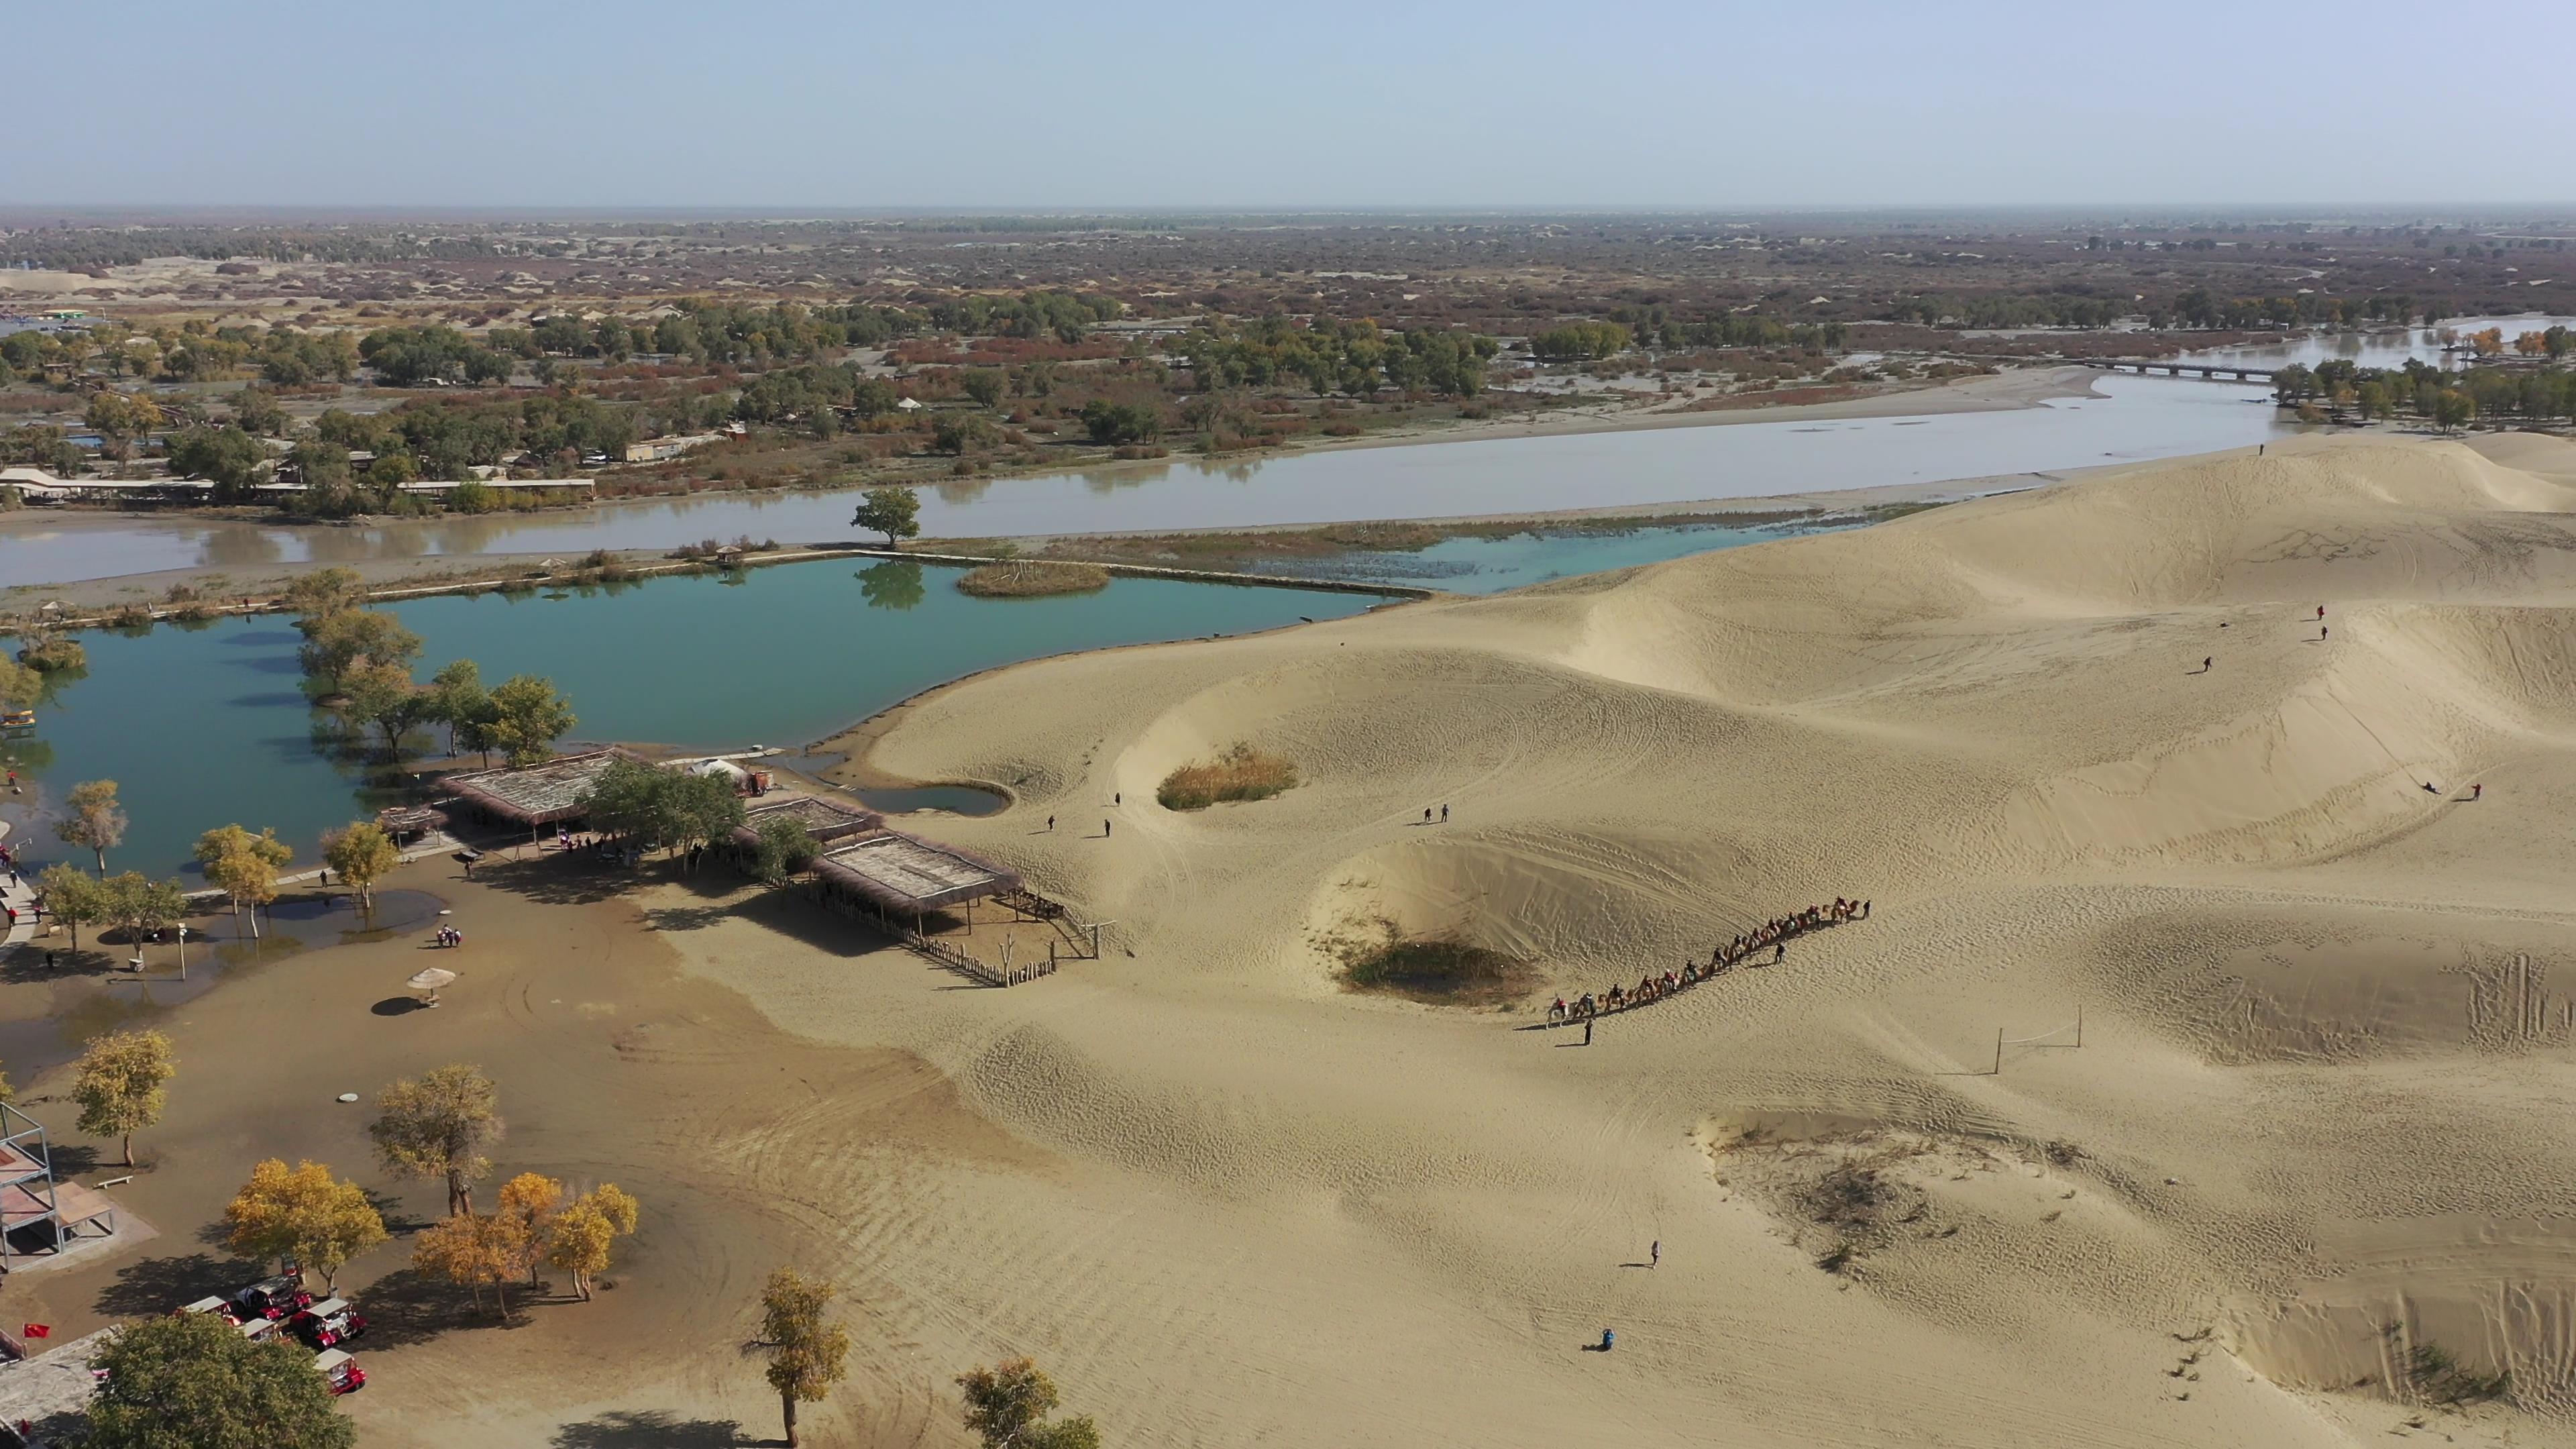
(895, 872)
(536, 794)
(823, 817)
(402, 820)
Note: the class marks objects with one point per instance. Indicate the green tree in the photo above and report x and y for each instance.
(118, 419)
(1120, 423)
(785, 847)
(363, 854)
(807, 1351)
(2453, 408)
(1007, 1404)
(192, 1381)
(20, 685)
(984, 385)
(383, 696)
(527, 717)
(121, 1084)
(72, 897)
(255, 411)
(227, 457)
(140, 905)
(92, 820)
(961, 433)
(440, 1126)
(894, 512)
(458, 700)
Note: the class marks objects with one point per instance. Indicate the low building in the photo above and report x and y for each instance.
(659, 450)
(530, 797)
(899, 878)
(824, 818)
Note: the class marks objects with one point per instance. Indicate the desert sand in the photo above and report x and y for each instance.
(2320, 1088)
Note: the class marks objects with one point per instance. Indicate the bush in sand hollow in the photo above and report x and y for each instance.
(1241, 773)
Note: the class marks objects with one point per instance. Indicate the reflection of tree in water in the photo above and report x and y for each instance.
(958, 492)
(891, 585)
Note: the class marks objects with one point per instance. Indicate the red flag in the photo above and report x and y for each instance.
(39, 1330)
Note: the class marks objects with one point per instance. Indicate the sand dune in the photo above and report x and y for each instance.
(2325, 1060)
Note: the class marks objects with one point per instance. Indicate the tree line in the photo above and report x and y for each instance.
(1331, 354)
(2449, 399)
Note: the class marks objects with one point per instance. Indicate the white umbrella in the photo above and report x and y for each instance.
(429, 980)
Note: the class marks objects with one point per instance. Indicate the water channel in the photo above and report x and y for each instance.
(206, 726)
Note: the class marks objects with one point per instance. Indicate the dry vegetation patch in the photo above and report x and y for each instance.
(1032, 579)
(1241, 773)
(1376, 955)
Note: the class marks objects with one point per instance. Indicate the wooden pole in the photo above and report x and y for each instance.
(2079, 1025)
(1999, 1053)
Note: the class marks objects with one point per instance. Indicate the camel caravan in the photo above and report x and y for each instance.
(1773, 936)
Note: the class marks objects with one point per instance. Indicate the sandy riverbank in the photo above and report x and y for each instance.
(1226, 1202)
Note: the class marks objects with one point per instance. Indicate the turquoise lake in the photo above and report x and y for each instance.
(206, 726)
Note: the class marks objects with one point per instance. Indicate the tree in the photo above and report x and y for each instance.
(651, 803)
(227, 457)
(363, 854)
(1120, 423)
(528, 716)
(92, 820)
(471, 1249)
(894, 512)
(961, 433)
(72, 897)
(140, 904)
(785, 846)
(120, 1084)
(458, 700)
(324, 591)
(20, 685)
(255, 411)
(440, 1126)
(528, 1203)
(1007, 1405)
(245, 866)
(984, 385)
(341, 639)
(305, 1214)
(584, 1232)
(806, 1350)
(384, 696)
(118, 419)
(2453, 408)
(192, 1381)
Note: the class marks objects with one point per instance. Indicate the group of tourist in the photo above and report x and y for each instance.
(449, 936)
(1773, 936)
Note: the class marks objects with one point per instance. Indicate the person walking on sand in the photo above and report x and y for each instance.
(1587, 1030)
(2321, 633)
(2207, 662)
(1050, 825)
(1655, 1254)
(1104, 829)
(2476, 790)
(2321, 611)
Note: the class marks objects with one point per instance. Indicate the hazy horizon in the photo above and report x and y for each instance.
(791, 108)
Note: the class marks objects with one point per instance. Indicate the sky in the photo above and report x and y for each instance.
(785, 105)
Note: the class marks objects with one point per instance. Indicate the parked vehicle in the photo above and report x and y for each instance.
(220, 1307)
(340, 1371)
(259, 1330)
(271, 1298)
(327, 1324)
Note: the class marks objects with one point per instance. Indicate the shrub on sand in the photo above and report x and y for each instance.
(1240, 773)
